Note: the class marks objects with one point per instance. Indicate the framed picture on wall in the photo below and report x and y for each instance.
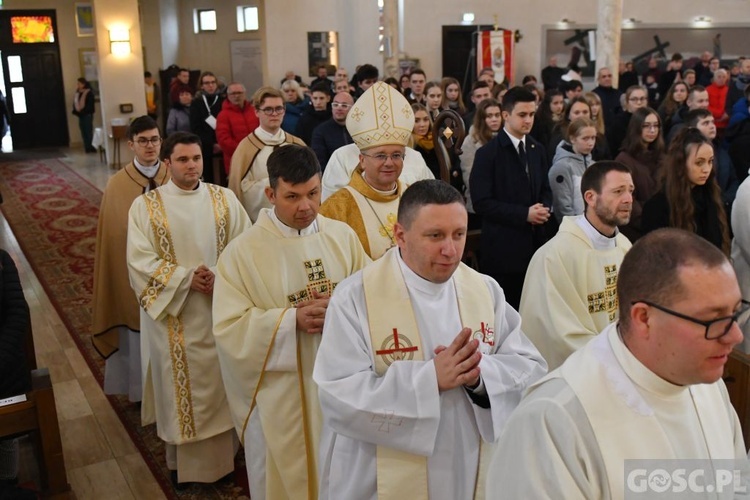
(89, 61)
(84, 19)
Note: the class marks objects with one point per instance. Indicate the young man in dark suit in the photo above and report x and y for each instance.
(510, 190)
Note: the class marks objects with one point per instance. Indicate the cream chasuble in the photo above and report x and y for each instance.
(371, 213)
(171, 232)
(248, 174)
(265, 362)
(402, 410)
(570, 290)
(574, 430)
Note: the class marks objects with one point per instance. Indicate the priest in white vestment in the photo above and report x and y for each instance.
(248, 175)
(175, 236)
(569, 293)
(421, 363)
(272, 289)
(115, 323)
(649, 387)
(369, 202)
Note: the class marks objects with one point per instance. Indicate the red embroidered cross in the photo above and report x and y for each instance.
(397, 351)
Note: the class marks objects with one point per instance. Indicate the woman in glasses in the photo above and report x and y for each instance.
(689, 197)
(635, 97)
(642, 152)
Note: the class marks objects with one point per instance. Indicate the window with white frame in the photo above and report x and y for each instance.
(204, 20)
(247, 18)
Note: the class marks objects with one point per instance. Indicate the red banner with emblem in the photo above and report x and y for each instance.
(495, 50)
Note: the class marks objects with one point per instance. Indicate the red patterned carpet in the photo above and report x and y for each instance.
(53, 213)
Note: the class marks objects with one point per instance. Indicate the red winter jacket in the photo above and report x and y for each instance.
(717, 100)
(232, 125)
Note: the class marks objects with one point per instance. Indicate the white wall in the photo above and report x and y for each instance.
(425, 43)
(120, 77)
(210, 51)
(287, 24)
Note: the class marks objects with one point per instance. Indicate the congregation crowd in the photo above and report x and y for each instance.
(308, 299)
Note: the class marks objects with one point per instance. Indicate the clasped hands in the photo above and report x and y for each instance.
(203, 280)
(538, 214)
(312, 312)
(458, 364)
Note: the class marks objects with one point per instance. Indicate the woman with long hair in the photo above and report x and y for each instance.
(572, 158)
(83, 108)
(547, 116)
(597, 116)
(690, 197)
(487, 123)
(424, 144)
(577, 107)
(433, 99)
(422, 138)
(295, 103)
(675, 99)
(452, 98)
(642, 152)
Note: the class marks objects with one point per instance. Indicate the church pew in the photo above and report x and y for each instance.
(37, 416)
(737, 379)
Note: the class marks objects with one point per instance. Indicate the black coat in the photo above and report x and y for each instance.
(327, 138)
(14, 323)
(502, 193)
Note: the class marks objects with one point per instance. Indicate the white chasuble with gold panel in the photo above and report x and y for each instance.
(170, 233)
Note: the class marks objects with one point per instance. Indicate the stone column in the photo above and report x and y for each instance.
(390, 34)
(608, 35)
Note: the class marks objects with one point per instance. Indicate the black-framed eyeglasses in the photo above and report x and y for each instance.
(716, 328)
(143, 141)
(382, 157)
(269, 111)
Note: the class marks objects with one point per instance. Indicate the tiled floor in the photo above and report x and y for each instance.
(100, 458)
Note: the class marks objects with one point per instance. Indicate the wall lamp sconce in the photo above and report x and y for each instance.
(119, 41)
(467, 18)
(702, 22)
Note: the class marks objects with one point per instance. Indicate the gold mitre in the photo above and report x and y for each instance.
(381, 116)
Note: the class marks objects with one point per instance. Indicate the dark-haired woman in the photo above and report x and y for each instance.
(642, 152)
(83, 108)
(690, 197)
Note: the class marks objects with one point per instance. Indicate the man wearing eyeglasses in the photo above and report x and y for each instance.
(236, 120)
(380, 124)
(248, 174)
(115, 318)
(332, 134)
(648, 387)
(204, 110)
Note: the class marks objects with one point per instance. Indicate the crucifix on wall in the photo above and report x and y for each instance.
(322, 48)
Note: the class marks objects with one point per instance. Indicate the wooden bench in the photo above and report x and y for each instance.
(737, 379)
(37, 417)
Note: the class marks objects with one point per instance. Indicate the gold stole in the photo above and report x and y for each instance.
(378, 216)
(624, 432)
(395, 337)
